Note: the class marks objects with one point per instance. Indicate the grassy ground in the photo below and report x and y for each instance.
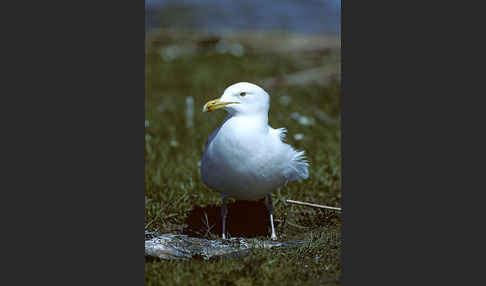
(173, 184)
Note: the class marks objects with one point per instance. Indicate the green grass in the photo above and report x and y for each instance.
(173, 184)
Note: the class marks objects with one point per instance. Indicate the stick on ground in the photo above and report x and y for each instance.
(313, 205)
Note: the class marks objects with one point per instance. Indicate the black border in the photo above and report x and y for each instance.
(76, 186)
(407, 215)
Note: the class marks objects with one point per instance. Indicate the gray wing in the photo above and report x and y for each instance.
(215, 132)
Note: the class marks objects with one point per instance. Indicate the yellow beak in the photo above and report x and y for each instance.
(215, 104)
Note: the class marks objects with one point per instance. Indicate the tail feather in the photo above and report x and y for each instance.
(300, 167)
(282, 133)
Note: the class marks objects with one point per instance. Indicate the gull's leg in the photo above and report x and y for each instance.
(269, 205)
(224, 213)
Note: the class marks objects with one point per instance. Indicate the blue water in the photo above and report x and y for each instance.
(303, 16)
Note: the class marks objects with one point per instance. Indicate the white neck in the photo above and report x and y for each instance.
(257, 122)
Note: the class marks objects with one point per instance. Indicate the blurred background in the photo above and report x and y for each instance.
(299, 16)
(194, 50)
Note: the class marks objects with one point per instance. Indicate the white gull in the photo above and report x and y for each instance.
(245, 158)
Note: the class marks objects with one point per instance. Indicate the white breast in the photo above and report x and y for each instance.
(243, 162)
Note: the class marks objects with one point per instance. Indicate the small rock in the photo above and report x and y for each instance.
(173, 143)
(285, 100)
(299, 136)
(306, 121)
(303, 120)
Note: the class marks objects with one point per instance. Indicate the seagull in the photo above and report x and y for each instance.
(245, 158)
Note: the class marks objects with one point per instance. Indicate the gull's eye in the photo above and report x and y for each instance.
(242, 93)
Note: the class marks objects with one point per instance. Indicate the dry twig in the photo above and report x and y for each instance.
(313, 205)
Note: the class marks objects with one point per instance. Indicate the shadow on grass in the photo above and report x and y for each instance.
(245, 219)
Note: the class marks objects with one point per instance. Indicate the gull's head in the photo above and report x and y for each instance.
(241, 98)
